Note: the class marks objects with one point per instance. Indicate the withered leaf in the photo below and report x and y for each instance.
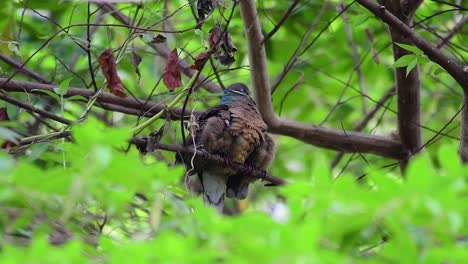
(226, 59)
(214, 39)
(159, 39)
(204, 8)
(200, 59)
(109, 69)
(171, 73)
(4, 117)
(4, 114)
(227, 44)
(222, 46)
(136, 60)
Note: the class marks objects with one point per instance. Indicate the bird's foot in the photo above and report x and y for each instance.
(249, 168)
(226, 159)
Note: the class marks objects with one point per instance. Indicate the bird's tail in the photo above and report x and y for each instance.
(238, 186)
(214, 189)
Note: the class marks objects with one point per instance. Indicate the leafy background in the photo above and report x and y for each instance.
(75, 202)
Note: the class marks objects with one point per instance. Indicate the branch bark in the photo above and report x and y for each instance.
(464, 130)
(24, 70)
(141, 143)
(407, 85)
(106, 100)
(34, 109)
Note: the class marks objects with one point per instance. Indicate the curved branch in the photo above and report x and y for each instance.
(141, 143)
(323, 137)
(431, 51)
(33, 109)
(105, 100)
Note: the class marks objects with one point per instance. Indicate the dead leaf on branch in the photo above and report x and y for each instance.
(4, 117)
(158, 39)
(200, 59)
(171, 73)
(226, 59)
(204, 9)
(109, 69)
(222, 45)
(4, 114)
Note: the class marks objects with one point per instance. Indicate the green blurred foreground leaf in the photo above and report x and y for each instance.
(326, 221)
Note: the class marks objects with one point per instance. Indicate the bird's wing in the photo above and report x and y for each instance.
(247, 127)
(260, 158)
(206, 125)
(211, 134)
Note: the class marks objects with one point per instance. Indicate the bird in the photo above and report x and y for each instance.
(234, 130)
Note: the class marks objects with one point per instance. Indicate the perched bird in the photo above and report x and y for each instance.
(261, 157)
(234, 130)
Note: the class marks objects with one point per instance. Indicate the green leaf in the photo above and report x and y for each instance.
(437, 71)
(63, 87)
(413, 49)
(6, 163)
(405, 60)
(77, 98)
(49, 93)
(423, 59)
(411, 65)
(8, 134)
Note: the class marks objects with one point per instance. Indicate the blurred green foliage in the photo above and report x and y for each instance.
(83, 192)
(419, 220)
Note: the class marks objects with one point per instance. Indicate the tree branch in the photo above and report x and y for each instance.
(24, 70)
(407, 85)
(323, 137)
(282, 20)
(464, 130)
(319, 136)
(142, 144)
(105, 100)
(434, 54)
(363, 123)
(34, 109)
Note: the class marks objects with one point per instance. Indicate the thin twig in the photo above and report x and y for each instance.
(34, 109)
(282, 20)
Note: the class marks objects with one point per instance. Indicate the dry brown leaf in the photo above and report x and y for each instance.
(109, 69)
(171, 74)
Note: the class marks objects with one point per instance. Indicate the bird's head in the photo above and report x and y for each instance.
(233, 91)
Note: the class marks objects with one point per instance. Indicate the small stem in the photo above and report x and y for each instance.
(40, 137)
